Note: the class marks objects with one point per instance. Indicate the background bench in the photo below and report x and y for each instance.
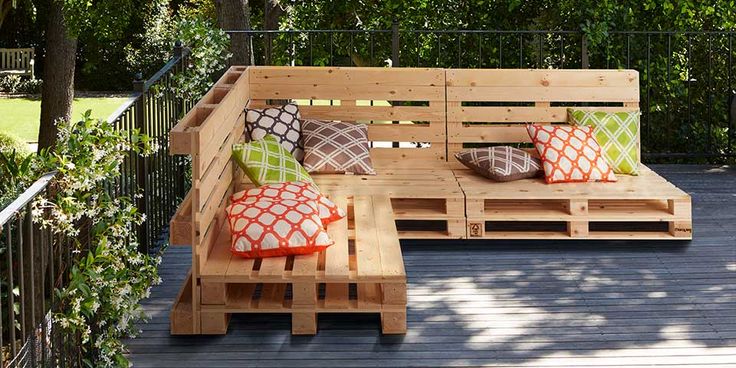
(17, 62)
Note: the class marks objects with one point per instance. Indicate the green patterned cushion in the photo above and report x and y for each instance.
(265, 161)
(617, 133)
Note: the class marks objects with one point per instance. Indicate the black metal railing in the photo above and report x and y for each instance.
(154, 109)
(33, 263)
(686, 77)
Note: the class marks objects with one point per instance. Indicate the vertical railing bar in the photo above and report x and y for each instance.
(21, 276)
(2, 359)
(419, 61)
(689, 82)
(628, 51)
(439, 50)
(562, 51)
(11, 299)
(480, 50)
(668, 116)
(500, 50)
(32, 272)
(352, 48)
(331, 43)
(709, 137)
(459, 50)
(731, 94)
(521, 50)
(539, 65)
(649, 77)
(372, 40)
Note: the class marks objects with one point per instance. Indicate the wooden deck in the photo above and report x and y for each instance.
(509, 303)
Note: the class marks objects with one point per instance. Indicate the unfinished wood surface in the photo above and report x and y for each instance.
(366, 254)
(636, 207)
(361, 95)
(180, 227)
(435, 212)
(492, 105)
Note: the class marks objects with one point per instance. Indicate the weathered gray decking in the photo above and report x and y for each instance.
(510, 304)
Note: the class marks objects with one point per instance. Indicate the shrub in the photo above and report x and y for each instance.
(13, 84)
(209, 55)
(101, 301)
(11, 142)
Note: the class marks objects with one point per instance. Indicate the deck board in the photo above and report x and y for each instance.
(509, 303)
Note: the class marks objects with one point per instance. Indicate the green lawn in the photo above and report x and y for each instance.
(20, 116)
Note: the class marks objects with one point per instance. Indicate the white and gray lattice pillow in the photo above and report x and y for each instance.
(282, 122)
(500, 163)
(336, 147)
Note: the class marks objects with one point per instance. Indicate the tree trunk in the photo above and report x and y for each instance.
(235, 15)
(272, 14)
(58, 78)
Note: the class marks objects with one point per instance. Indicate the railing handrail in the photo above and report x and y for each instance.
(509, 31)
(24, 198)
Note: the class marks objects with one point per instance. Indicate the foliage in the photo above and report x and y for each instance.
(151, 48)
(11, 142)
(16, 169)
(208, 55)
(13, 84)
(101, 301)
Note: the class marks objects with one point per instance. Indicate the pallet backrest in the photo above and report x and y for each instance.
(492, 106)
(404, 105)
(16, 59)
(207, 133)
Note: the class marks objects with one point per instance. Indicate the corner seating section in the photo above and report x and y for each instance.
(418, 192)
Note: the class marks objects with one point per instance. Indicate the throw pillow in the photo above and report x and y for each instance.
(617, 133)
(500, 163)
(569, 154)
(336, 147)
(282, 122)
(265, 161)
(266, 228)
(297, 190)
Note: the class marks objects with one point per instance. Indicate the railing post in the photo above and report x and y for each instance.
(395, 43)
(180, 108)
(585, 64)
(139, 86)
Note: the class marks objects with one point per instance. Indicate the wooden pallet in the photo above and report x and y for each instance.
(363, 272)
(427, 203)
(636, 207)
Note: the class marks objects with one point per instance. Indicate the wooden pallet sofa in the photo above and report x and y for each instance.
(420, 191)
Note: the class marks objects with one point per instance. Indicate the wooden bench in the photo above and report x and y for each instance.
(17, 62)
(417, 193)
(492, 107)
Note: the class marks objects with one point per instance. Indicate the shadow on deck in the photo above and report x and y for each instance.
(509, 303)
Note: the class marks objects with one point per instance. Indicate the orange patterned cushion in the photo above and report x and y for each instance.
(569, 154)
(267, 228)
(298, 190)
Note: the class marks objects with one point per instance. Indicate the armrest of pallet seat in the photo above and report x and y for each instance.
(180, 227)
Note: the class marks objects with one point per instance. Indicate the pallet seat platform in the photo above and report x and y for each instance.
(437, 211)
(636, 207)
(363, 272)
(417, 119)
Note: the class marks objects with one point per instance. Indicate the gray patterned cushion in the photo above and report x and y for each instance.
(336, 147)
(500, 163)
(282, 122)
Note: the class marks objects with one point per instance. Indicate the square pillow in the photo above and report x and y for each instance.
(501, 163)
(617, 133)
(336, 147)
(266, 228)
(569, 154)
(265, 161)
(282, 122)
(296, 190)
